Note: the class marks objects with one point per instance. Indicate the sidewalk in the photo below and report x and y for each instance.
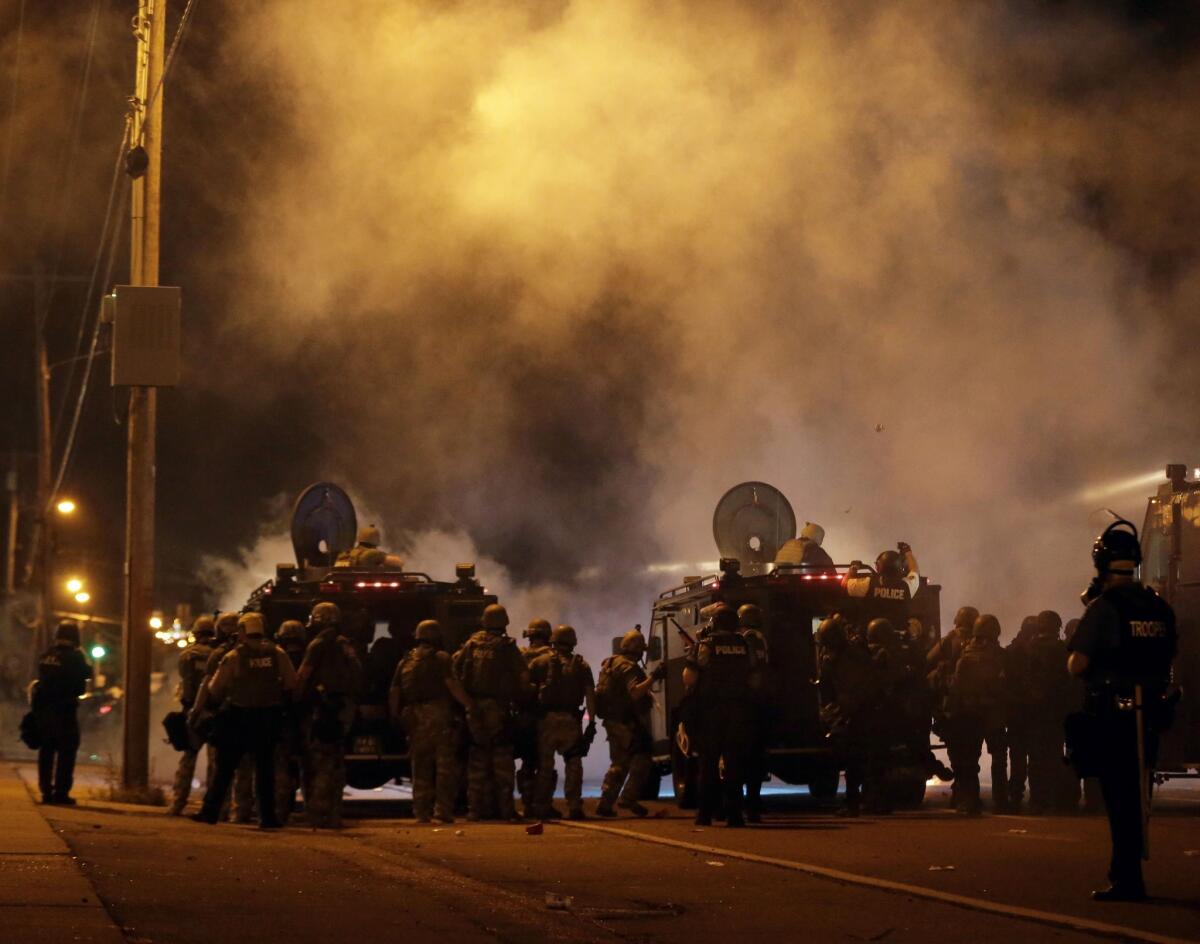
(44, 897)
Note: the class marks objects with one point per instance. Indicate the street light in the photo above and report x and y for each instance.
(74, 585)
(156, 622)
(82, 596)
(66, 507)
(98, 651)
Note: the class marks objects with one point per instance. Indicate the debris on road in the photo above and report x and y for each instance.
(713, 862)
(556, 902)
(942, 868)
(535, 829)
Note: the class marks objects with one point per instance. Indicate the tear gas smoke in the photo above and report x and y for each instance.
(549, 277)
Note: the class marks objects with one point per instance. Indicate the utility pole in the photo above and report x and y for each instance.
(44, 541)
(145, 129)
(14, 517)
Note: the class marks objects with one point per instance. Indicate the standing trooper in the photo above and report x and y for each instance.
(976, 710)
(243, 782)
(750, 625)
(330, 676)
(847, 688)
(494, 675)
(289, 753)
(623, 702)
(721, 673)
(525, 721)
(1123, 650)
(563, 681)
(63, 674)
(192, 662)
(254, 678)
(940, 664)
(1048, 685)
(420, 697)
(1023, 696)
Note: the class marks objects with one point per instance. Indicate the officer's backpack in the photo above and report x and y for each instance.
(611, 703)
(563, 688)
(487, 672)
(979, 684)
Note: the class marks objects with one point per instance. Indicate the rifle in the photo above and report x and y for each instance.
(585, 742)
(688, 642)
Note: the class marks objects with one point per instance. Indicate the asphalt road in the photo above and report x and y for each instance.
(802, 875)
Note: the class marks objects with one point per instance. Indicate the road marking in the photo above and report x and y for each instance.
(1052, 918)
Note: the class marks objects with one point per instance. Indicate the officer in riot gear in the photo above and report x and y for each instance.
(847, 689)
(329, 679)
(1123, 649)
(976, 714)
(525, 718)
(192, 662)
(289, 752)
(721, 672)
(495, 677)
(563, 683)
(420, 697)
(805, 551)
(750, 626)
(63, 674)
(887, 591)
(940, 664)
(254, 679)
(623, 703)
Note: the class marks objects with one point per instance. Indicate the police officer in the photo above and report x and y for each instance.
(847, 688)
(887, 591)
(329, 678)
(289, 752)
(495, 676)
(201, 716)
(63, 675)
(976, 715)
(1021, 699)
(525, 732)
(1123, 650)
(419, 698)
(192, 662)
(563, 682)
(940, 664)
(623, 702)
(1048, 692)
(750, 627)
(254, 678)
(721, 673)
(806, 551)
(367, 553)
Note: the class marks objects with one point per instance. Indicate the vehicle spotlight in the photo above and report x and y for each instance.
(74, 585)
(66, 507)
(82, 596)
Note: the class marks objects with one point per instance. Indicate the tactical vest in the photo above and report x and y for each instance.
(256, 679)
(726, 664)
(613, 702)
(979, 681)
(565, 684)
(335, 671)
(488, 667)
(192, 662)
(535, 652)
(1044, 661)
(423, 675)
(887, 598)
(1146, 638)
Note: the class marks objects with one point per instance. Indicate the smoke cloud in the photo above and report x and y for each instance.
(556, 275)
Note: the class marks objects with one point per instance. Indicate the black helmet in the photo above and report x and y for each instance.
(888, 564)
(429, 631)
(987, 627)
(68, 631)
(538, 629)
(1117, 551)
(724, 618)
(831, 634)
(750, 616)
(564, 637)
(965, 618)
(1049, 623)
(880, 632)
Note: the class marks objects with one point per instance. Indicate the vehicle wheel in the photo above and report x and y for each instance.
(907, 793)
(684, 778)
(369, 774)
(823, 784)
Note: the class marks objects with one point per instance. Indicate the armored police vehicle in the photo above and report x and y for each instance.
(380, 605)
(751, 524)
(1171, 565)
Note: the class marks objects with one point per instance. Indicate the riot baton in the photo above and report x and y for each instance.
(1143, 774)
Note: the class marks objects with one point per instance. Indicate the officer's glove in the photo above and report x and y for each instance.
(660, 672)
(903, 547)
(589, 733)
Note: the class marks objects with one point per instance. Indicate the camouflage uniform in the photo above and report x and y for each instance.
(562, 681)
(525, 736)
(432, 736)
(333, 676)
(492, 671)
(192, 661)
(289, 751)
(627, 732)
